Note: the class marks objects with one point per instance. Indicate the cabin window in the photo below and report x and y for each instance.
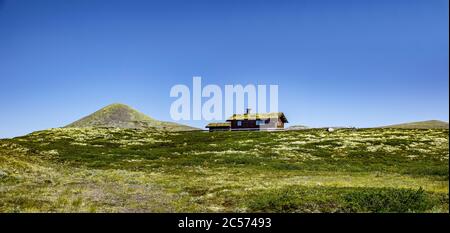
(260, 122)
(239, 123)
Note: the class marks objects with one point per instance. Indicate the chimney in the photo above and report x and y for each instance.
(247, 110)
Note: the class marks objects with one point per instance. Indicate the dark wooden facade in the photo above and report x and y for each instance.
(257, 124)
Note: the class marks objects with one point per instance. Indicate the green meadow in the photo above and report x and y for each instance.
(130, 170)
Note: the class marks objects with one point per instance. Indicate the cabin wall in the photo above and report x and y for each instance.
(218, 129)
(280, 124)
(211, 129)
(251, 124)
(245, 124)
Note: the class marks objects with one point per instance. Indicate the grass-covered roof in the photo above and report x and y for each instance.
(259, 116)
(221, 124)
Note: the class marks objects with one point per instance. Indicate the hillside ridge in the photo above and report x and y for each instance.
(429, 124)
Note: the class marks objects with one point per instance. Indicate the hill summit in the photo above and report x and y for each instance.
(123, 116)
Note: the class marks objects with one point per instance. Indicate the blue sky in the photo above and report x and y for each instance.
(359, 63)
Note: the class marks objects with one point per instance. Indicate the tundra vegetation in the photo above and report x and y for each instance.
(149, 170)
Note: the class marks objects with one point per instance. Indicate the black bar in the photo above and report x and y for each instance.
(278, 222)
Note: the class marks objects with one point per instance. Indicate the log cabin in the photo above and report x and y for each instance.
(250, 121)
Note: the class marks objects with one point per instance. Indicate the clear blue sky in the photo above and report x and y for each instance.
(359, 63)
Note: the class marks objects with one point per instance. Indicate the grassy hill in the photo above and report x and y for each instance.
(432, 124)
(123, 116)
(297, 127)
(140, 170)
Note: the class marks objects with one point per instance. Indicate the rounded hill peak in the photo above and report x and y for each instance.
(117, 105)
(120, 115)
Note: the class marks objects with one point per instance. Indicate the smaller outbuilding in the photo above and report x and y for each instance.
(222, 126)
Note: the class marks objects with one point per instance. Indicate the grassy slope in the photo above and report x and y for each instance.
(126, 170)
(432, 124)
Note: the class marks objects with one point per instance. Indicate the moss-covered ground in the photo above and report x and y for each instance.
(126, 170)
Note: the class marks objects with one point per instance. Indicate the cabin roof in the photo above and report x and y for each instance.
(221, 124)
(259, 116)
